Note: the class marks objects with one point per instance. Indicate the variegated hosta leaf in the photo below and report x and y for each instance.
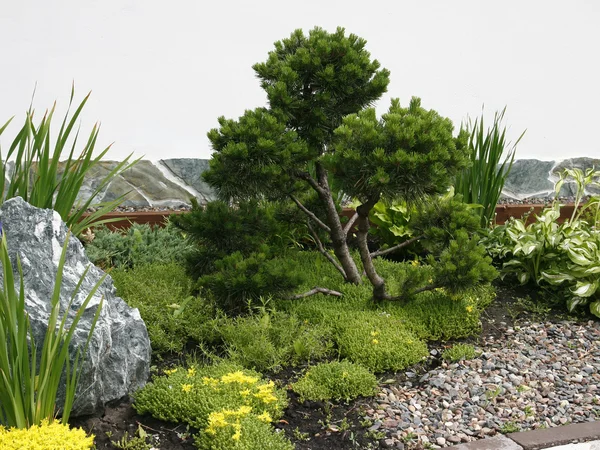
(574, 302)
(592, 270)
(578, 258)
(523, 277)
(595, 308)
(585, 288)
(556, 278)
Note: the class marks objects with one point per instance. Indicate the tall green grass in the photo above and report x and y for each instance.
(40, 180)
(483, 181)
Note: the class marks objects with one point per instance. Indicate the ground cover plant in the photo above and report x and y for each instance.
(232, 408)
(139, 245)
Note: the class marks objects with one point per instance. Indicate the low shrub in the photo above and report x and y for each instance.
(163, 294)
(336, 380)
(241, 430)
(379, 342)
(240, 281)
(46, 436)
(223, 401)
(271, 341)
(139, 245)
(459, 352)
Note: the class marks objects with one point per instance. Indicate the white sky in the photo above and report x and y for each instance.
(161, 72)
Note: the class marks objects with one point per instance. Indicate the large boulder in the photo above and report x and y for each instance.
(118, 359)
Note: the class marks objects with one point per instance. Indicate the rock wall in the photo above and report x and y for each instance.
(170, 183)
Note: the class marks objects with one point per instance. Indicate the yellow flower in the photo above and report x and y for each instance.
(191, 372)
(245, 392)
(344, 374)
(415, 262)
(238, 432)
(207, 381)
(430, 280)
(469, 308)
(375, 341)
(265, 417)
(238, 377)
(375, 333)
(186, 387)
(170, 371)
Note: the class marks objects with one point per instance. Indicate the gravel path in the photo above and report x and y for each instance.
(540, 375)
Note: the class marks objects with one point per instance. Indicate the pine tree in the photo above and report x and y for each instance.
(312, 82)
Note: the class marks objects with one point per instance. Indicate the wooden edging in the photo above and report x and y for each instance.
(153, 218)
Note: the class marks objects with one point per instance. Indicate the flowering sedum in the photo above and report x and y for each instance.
(46, 436)
(232, 408)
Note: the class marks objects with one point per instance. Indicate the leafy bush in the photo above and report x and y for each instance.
(163, 294)
(45, 436)
(336, 380)
(271, 341)
(239, 281)
(379, 342)
(139, 245)
(391, 222)
(37, 175)
(458, 352)
(223, 401)
(564, 255)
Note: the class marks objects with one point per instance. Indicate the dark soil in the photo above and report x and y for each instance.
(322, 425)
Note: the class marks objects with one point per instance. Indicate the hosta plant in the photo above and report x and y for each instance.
(566, 255)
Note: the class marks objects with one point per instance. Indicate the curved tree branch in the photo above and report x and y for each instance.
(323, 251)
(395, 247)
(310, 214)
(351, 223)
(313, 291)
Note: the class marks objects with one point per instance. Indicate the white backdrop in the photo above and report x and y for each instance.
(161, 72)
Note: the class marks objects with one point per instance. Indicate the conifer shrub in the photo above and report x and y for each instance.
(271, 341)
(139, 245)
(239, 281)
(163, 293)
(46, 436)
(225, 402)
(337, 380)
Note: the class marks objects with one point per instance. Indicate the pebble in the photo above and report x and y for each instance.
(540, 375)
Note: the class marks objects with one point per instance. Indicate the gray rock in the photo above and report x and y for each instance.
(190, 171)
(529, 178)
(118, 359)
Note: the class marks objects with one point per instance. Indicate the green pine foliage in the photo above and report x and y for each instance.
(240, 281)
(337, 380)
(163, 295)
(410, 153)
(219, 230)
(137, 246)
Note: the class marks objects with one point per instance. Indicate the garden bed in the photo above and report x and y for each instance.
(435, 403)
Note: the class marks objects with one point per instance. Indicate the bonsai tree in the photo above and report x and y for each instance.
(409, 154)
(311, 82)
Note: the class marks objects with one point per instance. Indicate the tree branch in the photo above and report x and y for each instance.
(405, 297)
(313, 291)
(350, 223)
(311, 181)
(395, 247)
(310, 214)
(324, 252)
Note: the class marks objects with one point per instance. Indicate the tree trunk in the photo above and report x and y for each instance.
(379, 292)
(337, 233)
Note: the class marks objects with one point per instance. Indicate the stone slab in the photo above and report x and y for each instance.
(592, 445)
(498, 442)
(550, 437)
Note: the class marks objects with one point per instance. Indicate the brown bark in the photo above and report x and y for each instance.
(314, 291)
(378, 283)
(337, 234)
(395, 247)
